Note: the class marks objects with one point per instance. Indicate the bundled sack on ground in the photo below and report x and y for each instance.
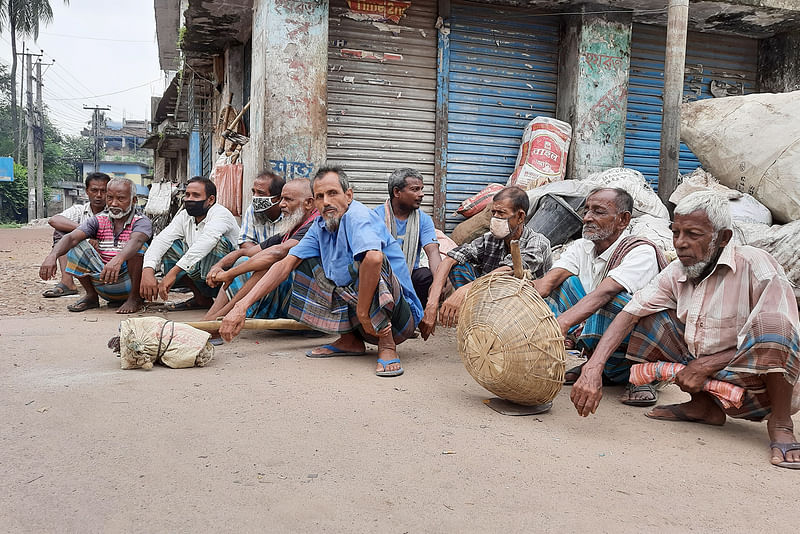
(645, 200)
(744, 208)
(144, 341)
(750, 143)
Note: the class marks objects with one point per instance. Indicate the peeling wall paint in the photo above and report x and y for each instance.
(288, 88)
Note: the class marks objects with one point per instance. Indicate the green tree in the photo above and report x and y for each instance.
(23, 18)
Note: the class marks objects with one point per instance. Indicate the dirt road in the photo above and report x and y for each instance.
(266, 440)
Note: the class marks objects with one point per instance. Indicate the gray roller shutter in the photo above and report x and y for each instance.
(382, 98)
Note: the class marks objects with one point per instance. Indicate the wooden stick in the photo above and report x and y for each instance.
(253, 324)
(516, 258)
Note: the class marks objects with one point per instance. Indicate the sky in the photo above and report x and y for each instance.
(99, 47)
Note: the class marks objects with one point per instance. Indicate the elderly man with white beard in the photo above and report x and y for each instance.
(113, 270)
(727, 312)
(241, 269)
(594, 279)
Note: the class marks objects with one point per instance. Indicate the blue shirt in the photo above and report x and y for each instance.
(427, 232)
(360, 231)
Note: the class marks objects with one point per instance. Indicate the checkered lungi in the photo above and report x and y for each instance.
(462, 274)
(199, 270)
(617, 368)
(273, 305)
(770, 346)
(84, 260)
(319, 303)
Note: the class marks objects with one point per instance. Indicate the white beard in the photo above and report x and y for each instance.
(288, 222)
(332, 224)
(120, 215)
(596, 233)
(694, 272)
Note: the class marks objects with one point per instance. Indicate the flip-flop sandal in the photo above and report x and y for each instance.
(334, 351)
(646, 388)
(385, 363)
(576, 371)
(59, 291)
(784, 448)
(678, 416)
(83, 305)
(190, 304)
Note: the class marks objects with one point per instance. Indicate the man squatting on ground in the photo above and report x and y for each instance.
(412, 227)
(246, 266)
(198, 237)
(490, 252)
(351, 278)
(727, 312)
(113, 269)
(260, 219)
(70, 219)
(595, 277)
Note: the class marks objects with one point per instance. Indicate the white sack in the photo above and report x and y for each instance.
(750, 143)
(645, 200)
(743, 207)
(656, 230)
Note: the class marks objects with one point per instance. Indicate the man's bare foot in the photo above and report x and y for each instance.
(132, 305)
(701, 409)
(346, 345)
(780, 433)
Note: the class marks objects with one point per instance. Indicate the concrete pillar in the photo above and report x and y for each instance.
(288, 122)
(779, 63)
(594, 61)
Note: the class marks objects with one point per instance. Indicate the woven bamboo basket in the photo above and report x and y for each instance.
(509, 340)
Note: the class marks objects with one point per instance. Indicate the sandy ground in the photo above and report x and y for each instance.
(264, 439)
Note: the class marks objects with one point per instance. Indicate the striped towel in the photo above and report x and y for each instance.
(728, 394)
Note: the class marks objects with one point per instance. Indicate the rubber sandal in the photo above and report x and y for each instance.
(784, 448)
(59, 291)
(646, 388)
(334, 351)
(83, 305)
(397, 372)
(574, 371)
(190, 304)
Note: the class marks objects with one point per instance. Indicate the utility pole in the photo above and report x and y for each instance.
(96, 133)
(21, 100)
(674, 65)
(41, 203)
(29, 121)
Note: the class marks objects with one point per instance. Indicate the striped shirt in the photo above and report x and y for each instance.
(254, 232)
(109, 243)
(719, 310)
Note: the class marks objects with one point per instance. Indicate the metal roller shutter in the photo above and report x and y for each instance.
(503, 72)
(730, 62)
(382, 98)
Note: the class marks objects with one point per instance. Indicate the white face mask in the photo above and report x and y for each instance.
(499, 227)
(262, 204)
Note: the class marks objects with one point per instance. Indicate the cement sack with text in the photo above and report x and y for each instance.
(543, 153)
(750, 143)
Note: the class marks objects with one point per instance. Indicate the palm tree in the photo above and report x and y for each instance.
(23, 18)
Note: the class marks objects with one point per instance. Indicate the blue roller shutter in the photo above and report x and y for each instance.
(503, 72)
(729, 61)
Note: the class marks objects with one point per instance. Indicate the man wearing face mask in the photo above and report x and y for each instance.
(489, 253)
(113, 269)
(595, 277)
(260, 219)
(198, 237)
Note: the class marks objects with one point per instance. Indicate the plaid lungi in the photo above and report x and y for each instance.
(770, 346)
(617, 368)
(462, 274)
(273, 305)
(199, 270)
(319, 303)
(84, 260)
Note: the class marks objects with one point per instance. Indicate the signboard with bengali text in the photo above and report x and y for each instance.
(6, 169)
(380, 10)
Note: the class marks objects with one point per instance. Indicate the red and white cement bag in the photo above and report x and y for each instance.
(543, 153)
(477, 202)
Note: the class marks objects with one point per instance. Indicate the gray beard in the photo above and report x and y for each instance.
(597, 234)
(120, 215)
(694, 272)
(287, 223)
(332, 224)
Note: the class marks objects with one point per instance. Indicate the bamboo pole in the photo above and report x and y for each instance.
(516, 258)
(253, 324)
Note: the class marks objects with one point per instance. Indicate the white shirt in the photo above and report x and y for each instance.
(78, 213)
(200, 238)
(638, 267)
